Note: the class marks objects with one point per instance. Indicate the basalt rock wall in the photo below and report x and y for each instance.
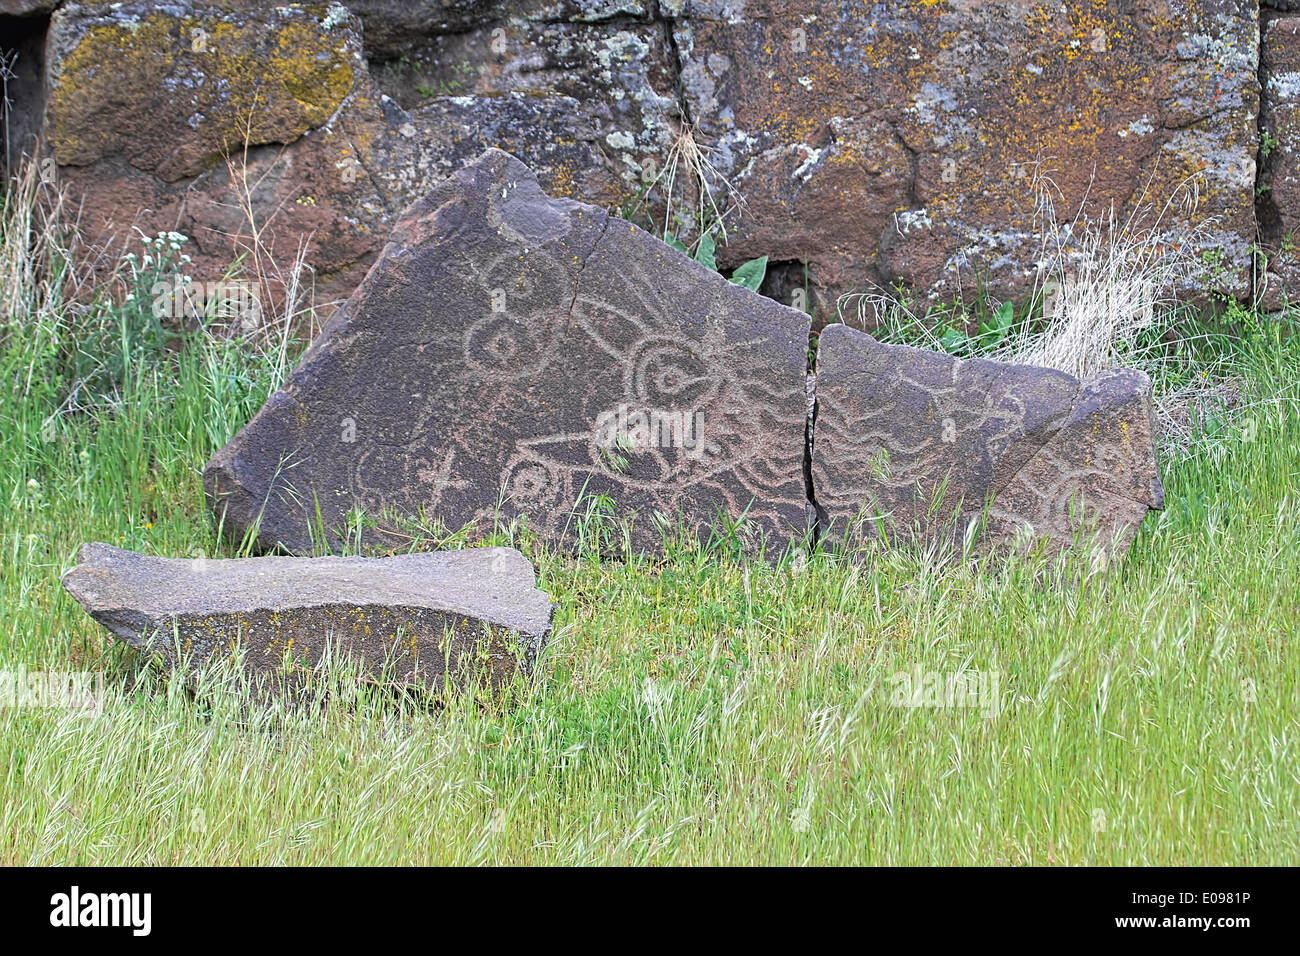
(872, 143)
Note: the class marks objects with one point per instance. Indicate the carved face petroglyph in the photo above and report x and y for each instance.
(621, 397)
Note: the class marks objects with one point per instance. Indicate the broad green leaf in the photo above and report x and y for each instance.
(675, 243)
(953, 341)
(751, 273)
(1004, 316)
(704, 252)
(995, 328)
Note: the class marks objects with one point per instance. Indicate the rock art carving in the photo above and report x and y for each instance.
(913, 444)
(511, 354)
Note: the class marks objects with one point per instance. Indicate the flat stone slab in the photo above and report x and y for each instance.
(420, 619)
(510, 354)
(914, 444)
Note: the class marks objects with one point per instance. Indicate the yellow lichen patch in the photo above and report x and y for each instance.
(267, 82)
(1059, 100)
(305, 63)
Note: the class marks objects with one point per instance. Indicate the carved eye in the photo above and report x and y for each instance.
(667, 373)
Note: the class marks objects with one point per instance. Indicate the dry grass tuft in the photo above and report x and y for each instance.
(690, 179)
(1108, 293)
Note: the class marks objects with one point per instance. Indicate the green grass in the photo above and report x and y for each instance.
(697, 709)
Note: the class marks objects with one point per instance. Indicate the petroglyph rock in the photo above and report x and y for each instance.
(913, 444)
(510, 354)
(425, 618)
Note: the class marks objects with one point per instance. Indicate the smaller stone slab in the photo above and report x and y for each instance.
(427, 619)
